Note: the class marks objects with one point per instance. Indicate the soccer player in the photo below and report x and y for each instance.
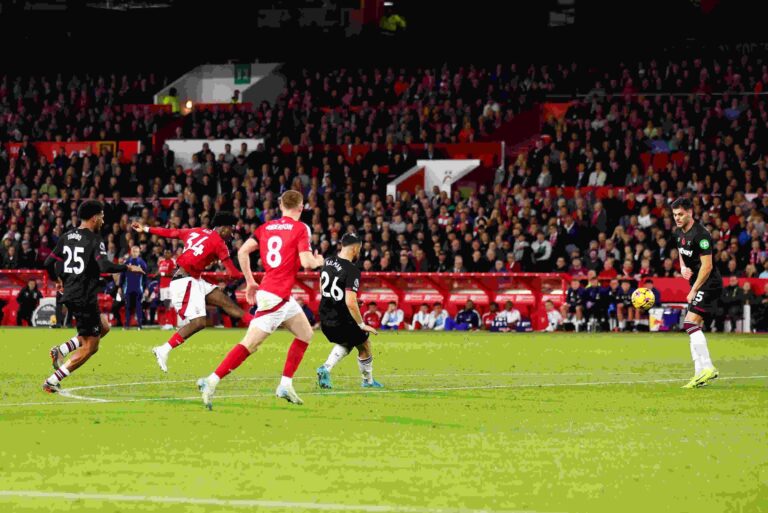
(507, 319)
(372, 317)
(554, 318)
(422, 320)
(340, 317)
(284, 247)
(694, 243)
(624, 310)
(77, 261)
(490, 316)
(392, 318)
(165, 268)
(574, 304)
(189, 292)
(133, 285)
(439, 317)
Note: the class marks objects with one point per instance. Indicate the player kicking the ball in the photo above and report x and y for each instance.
(695, 246)
(340, 316)
(284, 248)
(189, 292)
(77, 261)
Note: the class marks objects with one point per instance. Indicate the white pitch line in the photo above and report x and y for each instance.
(241, 503)
(88, 400)
(275, 378)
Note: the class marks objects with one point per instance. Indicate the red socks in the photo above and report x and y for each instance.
(176, 340)
(232, 361)
(295, 355)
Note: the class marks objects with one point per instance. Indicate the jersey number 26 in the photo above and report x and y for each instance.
(335, 291)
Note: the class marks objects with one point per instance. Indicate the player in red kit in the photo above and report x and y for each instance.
(284, 248)
(189, 292)
(165, 268)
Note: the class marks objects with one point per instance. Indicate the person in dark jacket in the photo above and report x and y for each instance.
(28, 299)
(133, 285)
(467, 319)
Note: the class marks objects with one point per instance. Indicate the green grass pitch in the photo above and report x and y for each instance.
(468, 422)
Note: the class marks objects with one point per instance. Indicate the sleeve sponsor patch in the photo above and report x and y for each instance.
(704, 244)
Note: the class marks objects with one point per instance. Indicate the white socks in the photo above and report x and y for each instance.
(699, 351)
(286, 382)
(213, 379)
(366, 368)
(337, 354)
(58, 375)
(69, 346)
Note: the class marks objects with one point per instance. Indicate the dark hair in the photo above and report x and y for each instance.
(224, 219)
(350, 239)
(88, 209)
(393, 303)
(683, 203)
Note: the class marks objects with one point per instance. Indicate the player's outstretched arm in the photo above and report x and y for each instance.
(311, 260)
(354, 310)
(168, 233)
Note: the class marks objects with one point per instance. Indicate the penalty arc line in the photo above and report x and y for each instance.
(90, 400)
(241, 503)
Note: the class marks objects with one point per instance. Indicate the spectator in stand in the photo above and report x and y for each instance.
(422, 319)
(11, 258)
(542, 253)
(467, 319)
(508, 319)
(439, 317)
(372, 317)
(554, 318)
(133, 285)
(573, 307)
(28, 299)
(392, 318)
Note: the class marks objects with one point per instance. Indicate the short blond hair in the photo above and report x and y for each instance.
(291, 200)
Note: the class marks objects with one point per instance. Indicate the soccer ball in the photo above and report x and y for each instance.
(643, 299)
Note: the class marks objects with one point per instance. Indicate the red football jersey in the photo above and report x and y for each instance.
(372, 319)
(488, 319)
(280, 242)
(165, 268)
(202, 247)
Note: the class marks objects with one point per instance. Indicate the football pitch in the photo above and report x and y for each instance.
(467, 422)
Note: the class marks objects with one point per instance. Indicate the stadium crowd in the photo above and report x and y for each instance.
(524, 221)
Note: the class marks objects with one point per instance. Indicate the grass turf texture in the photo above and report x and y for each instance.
(518, 426)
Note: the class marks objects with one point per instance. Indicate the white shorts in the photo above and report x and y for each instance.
(165, 294)
(272, 311)
(188, 297)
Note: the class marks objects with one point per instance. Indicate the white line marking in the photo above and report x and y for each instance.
(67, 392)
(87, 400)
(242, 503)
(312, 378)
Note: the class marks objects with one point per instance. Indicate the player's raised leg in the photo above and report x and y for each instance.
(217, 298)
(59, 353)
(236, 356)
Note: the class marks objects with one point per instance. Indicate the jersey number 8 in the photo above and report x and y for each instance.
(273, 251)
(335, 292)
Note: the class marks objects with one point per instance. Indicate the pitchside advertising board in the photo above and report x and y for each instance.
(45, 314)
(185, 148)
